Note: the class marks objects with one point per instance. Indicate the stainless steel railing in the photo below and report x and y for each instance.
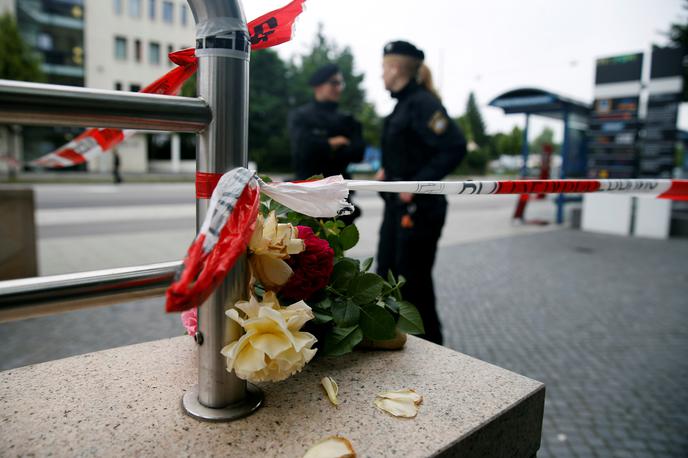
(51, 105)
(31, 297)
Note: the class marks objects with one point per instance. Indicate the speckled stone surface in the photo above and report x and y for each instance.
(126, 402)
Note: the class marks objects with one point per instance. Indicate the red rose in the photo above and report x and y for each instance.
(312, 267)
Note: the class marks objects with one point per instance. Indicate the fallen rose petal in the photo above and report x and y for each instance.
(331, 447)
(400, 403)
(402, 395)
(331, 389)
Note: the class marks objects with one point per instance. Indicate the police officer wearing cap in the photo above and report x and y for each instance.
(419, 143)
(324, 140)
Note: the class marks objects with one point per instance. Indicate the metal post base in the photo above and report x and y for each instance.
(193, 408)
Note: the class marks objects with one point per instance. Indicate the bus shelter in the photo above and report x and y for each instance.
(572, 113)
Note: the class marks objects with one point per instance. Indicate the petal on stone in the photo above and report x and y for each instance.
(331, 447)
(402, 395)
(271, 344)
(331, 388)
(400, 403)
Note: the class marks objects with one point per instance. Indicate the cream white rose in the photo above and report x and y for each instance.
(270, 244)
(273, 347)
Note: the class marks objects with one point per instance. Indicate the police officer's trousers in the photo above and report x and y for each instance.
(410, 251)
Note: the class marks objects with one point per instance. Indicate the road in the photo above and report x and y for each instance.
(89, 227)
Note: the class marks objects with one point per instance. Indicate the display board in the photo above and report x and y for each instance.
(614, 123)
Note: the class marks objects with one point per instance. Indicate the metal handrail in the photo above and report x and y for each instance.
(54, 105)
(30, 297)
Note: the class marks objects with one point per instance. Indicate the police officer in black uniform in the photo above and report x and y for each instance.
(419, 143)
(324, 140)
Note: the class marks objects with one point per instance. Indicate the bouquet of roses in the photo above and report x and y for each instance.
(336, 304)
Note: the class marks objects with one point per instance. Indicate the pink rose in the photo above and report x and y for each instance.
(190, 320)
(312, 267)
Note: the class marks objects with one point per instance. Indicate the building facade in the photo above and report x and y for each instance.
(103, 44)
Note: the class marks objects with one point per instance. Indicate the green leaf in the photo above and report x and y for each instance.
(345, 313)
(410, 321)
(321, 318)
(323, 304)
(365, 288)
(390, 278)
(341, 341)
(349, 237)
(336, 245)
(377, 323)
(392, 304)
(345, 269)
(366, 264)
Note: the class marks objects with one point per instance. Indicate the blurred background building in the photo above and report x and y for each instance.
(105, 44)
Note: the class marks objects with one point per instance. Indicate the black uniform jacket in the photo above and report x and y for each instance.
(419, 141)
(310, 126)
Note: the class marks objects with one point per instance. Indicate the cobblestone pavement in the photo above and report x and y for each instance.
(601, 320)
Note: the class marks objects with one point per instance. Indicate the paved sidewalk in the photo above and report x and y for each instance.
(601, 320)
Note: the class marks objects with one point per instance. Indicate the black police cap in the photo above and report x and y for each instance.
(323, 74)
(404, 48)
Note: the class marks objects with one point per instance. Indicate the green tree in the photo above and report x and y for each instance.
(475, 122)
(545, 137)
(324, 51)
(372, 124)
(508, 143)
(465, 125)
(17, 60)
(678, 34)
(268, 142)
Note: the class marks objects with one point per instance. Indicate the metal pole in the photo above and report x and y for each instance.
(524, 149)
(38, 296)
(222, 48)
(53, 105)
(561, 198)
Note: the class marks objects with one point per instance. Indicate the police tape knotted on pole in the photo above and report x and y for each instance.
(230, 222)
(234, 204)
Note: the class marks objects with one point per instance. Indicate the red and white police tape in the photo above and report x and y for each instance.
(268, 30)
(234, 202)
(661, 188)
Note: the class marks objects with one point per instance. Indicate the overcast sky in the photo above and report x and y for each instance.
(486, 46)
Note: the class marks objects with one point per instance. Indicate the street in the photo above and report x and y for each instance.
(89, 227)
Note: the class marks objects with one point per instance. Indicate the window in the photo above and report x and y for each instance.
(133, 87)
(154, 53)
(118, 6)
(45, 41)
(135, 8)
(151, 9)
(170, 49)
(184, 15)
(120, 48)
(118, 85)
(137, 50)
(168, 12)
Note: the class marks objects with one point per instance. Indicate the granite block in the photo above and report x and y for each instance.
(127, 402)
